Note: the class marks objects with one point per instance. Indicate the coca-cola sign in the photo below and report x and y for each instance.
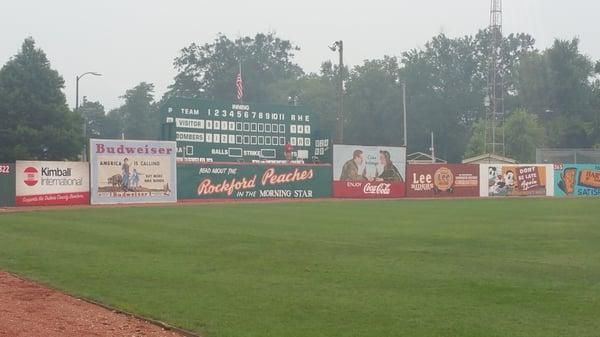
(377, 189)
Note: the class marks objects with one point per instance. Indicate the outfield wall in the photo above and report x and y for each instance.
(231, 181)
(39, 183)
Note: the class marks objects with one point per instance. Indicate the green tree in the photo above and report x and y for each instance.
(476, 145)
(208, 71)
(447, 83)
(95, 118)
(139, 115)
(557, 85)
(36, 121)
(373, 106)
(316, 92)
(523, 134)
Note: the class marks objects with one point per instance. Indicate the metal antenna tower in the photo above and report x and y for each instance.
(494, 127)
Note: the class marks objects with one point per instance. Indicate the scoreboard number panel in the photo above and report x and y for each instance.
(207, 131)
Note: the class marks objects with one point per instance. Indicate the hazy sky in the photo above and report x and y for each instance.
(130, 41)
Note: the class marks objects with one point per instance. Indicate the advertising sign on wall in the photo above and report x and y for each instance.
(579, 180)
(129, 171)
(7, 185)
(52, 183)
(516, 180)
(442, 181)
(253, 181)
(368, 171)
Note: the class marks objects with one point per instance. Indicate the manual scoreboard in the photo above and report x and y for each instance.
(208, 131)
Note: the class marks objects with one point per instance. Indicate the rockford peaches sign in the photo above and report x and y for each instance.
(253, 181)
(52, 183)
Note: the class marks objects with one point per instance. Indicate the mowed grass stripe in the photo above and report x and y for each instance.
(511, 267)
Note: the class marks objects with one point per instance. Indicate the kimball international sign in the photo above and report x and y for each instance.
(52, 183)
(253, 181)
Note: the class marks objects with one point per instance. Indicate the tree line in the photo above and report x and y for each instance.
(552, 96)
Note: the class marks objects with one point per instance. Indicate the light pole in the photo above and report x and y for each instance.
(339, 46)
(83, 155)
(404, 114)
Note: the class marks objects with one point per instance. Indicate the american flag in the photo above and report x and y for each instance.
(239, 85)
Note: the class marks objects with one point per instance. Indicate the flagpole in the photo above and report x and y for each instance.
(240, 72)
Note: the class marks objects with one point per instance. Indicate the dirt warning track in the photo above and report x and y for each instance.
(29, 309)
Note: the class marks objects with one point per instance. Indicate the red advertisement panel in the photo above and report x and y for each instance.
(368, 189)
(442, 181)
(76, 198)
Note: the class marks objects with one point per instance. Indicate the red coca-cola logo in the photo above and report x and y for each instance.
(31, 177)
(379, 189)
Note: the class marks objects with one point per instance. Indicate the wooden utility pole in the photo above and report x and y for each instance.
(339, 134)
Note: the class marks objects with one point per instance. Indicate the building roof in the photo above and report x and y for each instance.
(423, 158)
(489, 158)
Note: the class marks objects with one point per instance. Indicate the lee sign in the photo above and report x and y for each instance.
(52, 183)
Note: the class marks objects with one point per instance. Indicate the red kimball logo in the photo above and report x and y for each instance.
(31, 176)
(380, 189)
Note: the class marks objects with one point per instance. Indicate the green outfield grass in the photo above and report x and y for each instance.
(511, 267)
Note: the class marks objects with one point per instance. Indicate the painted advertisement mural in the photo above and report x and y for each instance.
(45, 183)
(442, 181)
(577, 180)
(368, 171)
(128, 171)
(516, 180)
(253, 181)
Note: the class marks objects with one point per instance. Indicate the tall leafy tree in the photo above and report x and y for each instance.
(208, 71)
(95, 118)
(523, 134)
(316, 92)
(374, 103)
(557, 85)
(139, 115)
(447, 84)
(36, 121)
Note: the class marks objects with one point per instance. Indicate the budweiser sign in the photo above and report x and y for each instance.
(377, 189)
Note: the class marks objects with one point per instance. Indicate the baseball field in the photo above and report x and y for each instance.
(510, 267)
